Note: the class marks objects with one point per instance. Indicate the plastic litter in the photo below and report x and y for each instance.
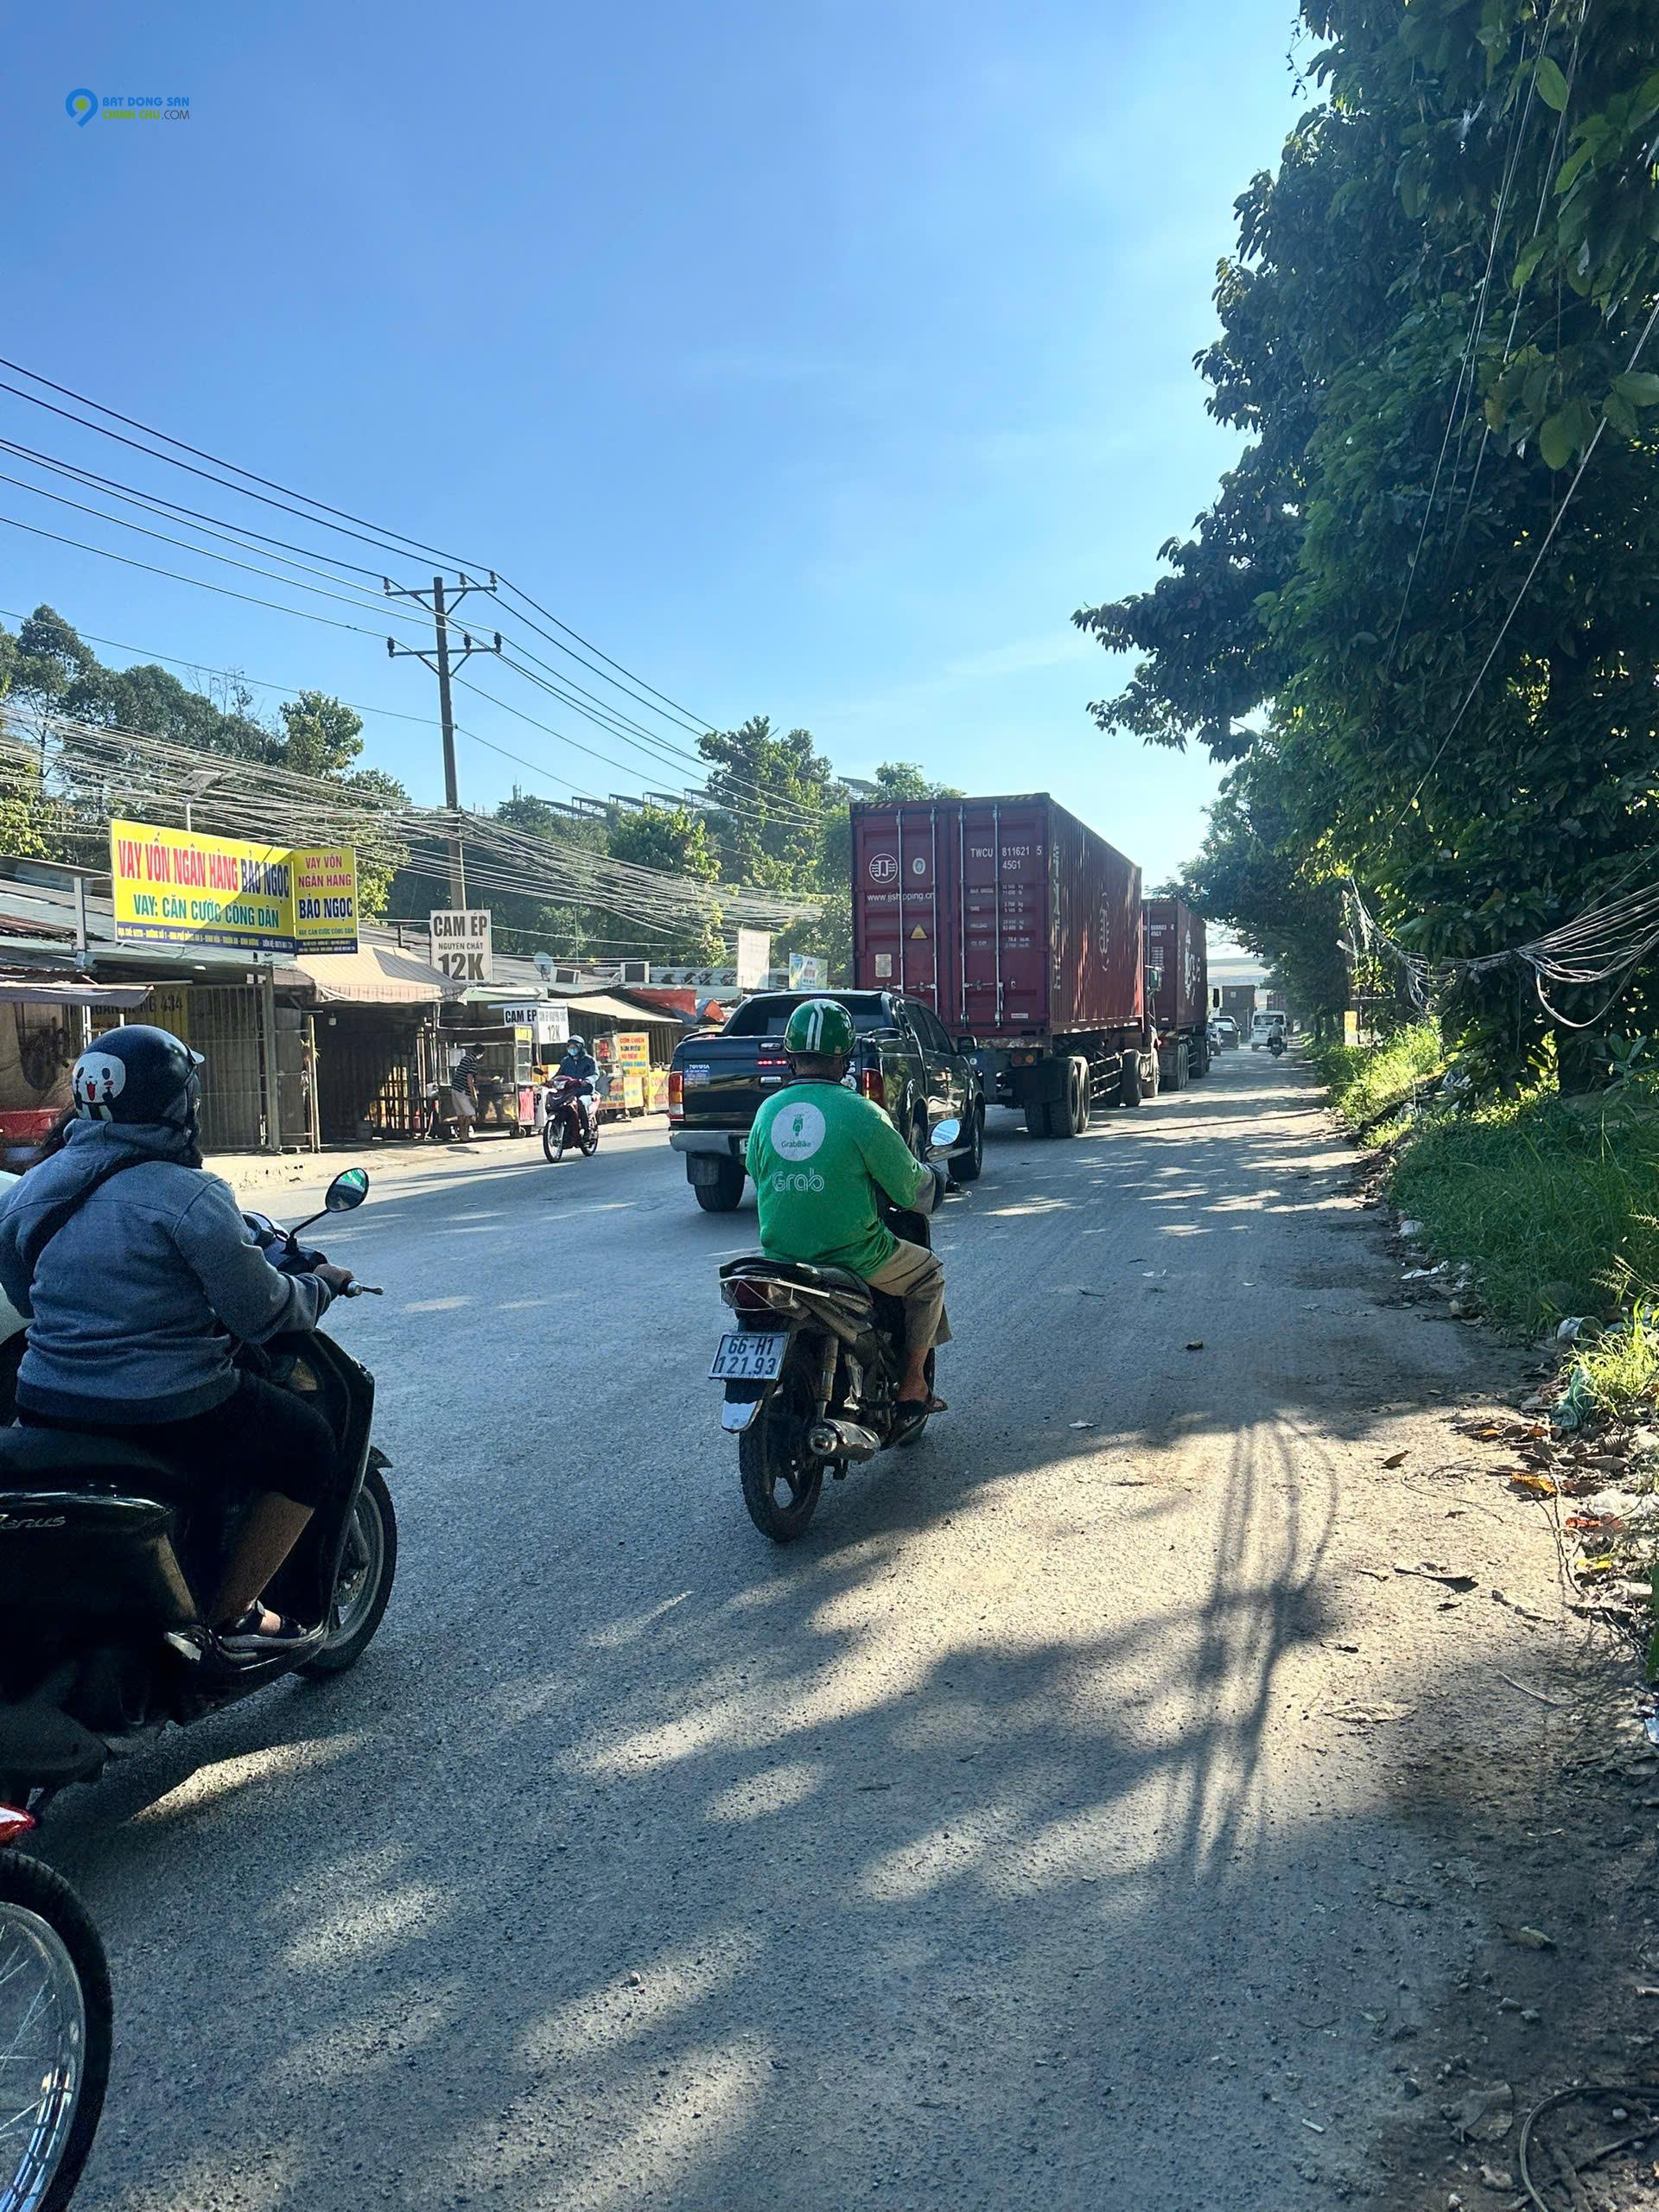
(1577, 1403)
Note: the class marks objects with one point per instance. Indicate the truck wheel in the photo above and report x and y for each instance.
(1129, 1081)
(1037, 1118)
(1183, 1067)
(1201, 1059)
(723, 1195)
(1070, 1115)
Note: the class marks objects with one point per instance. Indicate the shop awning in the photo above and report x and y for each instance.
(601, 1006)
(372, 975)
(70, 990)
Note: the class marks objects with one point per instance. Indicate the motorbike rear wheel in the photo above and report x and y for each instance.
(364, 1583)
(590, 1143)
(55, 2013)
(781, 1482)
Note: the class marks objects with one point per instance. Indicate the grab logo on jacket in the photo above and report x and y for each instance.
(98, 1079)
(798, 1131)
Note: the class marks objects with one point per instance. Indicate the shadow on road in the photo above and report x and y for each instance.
(672, 1870)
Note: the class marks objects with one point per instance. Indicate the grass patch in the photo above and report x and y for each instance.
(1555, 1203)
(1622, 1368)
(1557, 1209)
(1368, 1081)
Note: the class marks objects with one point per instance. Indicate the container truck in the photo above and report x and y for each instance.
(1177, 990)
(1022, 931)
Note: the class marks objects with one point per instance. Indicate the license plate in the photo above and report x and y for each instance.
(749, 1356)
(695, 1072)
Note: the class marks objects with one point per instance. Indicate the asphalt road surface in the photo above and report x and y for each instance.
(1008, 1842)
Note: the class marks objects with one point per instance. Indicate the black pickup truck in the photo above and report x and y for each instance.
(905, 1060)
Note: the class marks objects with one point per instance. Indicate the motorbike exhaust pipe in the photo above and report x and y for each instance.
(841, 1439)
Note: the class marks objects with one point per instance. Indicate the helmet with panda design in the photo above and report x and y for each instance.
(138, 1074)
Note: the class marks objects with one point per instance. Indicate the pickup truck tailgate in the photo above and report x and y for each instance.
(728, 1079)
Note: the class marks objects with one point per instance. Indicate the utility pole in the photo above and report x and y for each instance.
(442, 659)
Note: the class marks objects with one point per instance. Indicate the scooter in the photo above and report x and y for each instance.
(1276, 1046)
(811, 1372)
(55, 2017)
(572, 1119)
(107, 1555)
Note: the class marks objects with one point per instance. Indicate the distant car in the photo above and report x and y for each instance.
(1226, 1031)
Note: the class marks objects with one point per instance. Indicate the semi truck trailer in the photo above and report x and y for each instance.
(1177, 990)
(1022, 931)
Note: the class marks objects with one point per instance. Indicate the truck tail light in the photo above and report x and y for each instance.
(872, 1086)
(676, 1096)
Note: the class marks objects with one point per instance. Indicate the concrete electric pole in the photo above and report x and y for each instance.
(442, 659)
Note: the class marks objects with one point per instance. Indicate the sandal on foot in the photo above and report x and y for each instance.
(247, 1637)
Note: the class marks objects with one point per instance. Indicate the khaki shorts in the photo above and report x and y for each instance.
(917, 1276)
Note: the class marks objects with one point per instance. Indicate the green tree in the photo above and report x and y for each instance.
(677, 843)
(1438, 305)
(321, 736)
(769, 797)
(1280, 901)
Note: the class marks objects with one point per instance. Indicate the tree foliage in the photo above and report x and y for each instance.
(1436, 315)
(47, 670)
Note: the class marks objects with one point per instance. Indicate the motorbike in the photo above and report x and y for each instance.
(811, 1372)
(1276, 1046)
(571, 1119)
(55, 2019)
(107, 1555)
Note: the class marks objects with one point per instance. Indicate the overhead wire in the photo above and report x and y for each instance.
(1537, 562)
(1465, 368)
(658, 751)
(380, 535)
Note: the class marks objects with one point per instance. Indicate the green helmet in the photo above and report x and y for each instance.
(822, 1028)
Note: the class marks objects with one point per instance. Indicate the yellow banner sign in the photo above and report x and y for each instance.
(180, 886)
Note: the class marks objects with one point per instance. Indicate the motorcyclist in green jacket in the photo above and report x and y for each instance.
(821, 1157)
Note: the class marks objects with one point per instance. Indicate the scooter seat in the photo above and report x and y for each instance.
(70, 1458)
(798, 1271)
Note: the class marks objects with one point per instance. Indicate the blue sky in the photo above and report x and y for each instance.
(813, 361)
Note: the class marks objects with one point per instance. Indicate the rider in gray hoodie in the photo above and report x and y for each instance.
(131, 1262)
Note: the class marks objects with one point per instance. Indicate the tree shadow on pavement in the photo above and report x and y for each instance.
(1028, 1866)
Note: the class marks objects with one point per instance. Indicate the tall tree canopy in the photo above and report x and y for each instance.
(1441, 309)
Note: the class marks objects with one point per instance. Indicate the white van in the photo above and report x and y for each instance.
(1263, 1027)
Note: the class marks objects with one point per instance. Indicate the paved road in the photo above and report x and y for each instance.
(991, 1848)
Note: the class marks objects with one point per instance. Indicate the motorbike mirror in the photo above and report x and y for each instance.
(349, 1188)
(945, 1135)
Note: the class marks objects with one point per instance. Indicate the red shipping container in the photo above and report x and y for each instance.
(1006, 915)
(1176, 949)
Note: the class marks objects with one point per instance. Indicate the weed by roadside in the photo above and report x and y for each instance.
(1366, 1082)
(1556, 1209)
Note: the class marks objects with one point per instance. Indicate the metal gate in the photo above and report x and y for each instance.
(369, 1075)
(221, 1022)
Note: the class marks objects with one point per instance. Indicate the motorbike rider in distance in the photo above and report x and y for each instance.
(580, 1067)
(821, 1156)
(129, 1262)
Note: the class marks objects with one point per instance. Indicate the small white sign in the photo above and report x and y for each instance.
(753, 959)
(460, 945)
(807, 971)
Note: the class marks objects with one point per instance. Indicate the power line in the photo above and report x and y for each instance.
(659, 752)
(359, 596)
(249, 599)
(322, 507)
(1548, 539)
